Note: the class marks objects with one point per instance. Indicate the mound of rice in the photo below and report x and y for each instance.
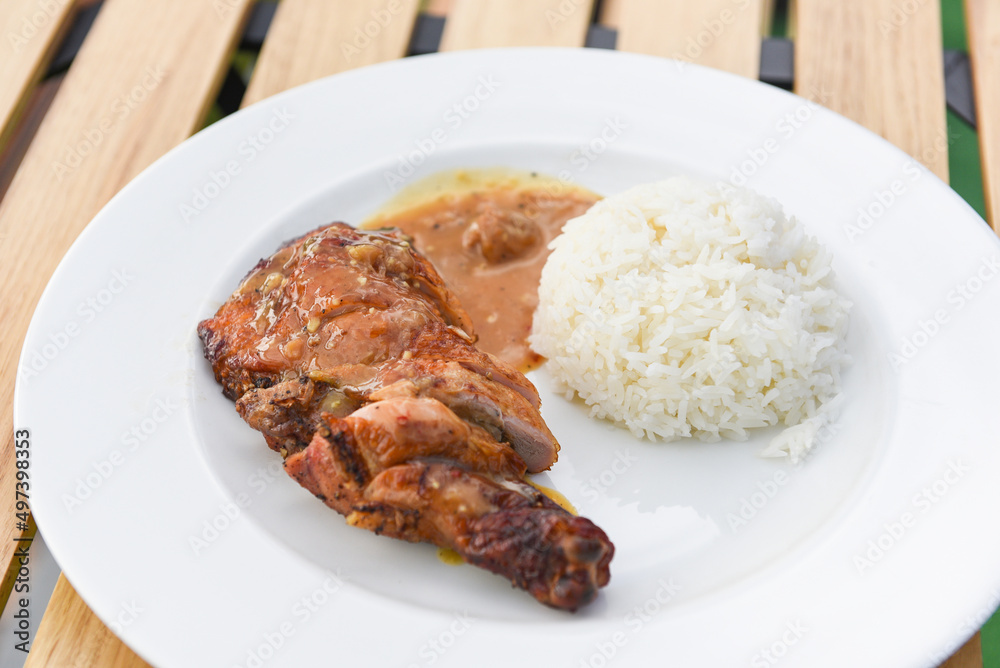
(683, 309)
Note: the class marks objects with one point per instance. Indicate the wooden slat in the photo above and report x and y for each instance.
(717, 33)
(476, 24)
(984, 48)
(969, 655)
(142, 82)
(309, 39)
(768, 17)
(610, 13)
(436, 7)
(28, 29)
(878, 62)
(23, 131)
(92, 645)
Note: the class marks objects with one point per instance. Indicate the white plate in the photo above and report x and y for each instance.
(880, 550)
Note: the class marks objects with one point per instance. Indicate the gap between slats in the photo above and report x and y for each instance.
(28, 30)
(983, 17)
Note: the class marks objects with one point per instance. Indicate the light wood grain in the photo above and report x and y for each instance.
(969, 655)
(28, 32)
(142, 82)
(436, 7)
(309, 39)
(724, 34)
(983, 18)
(70, 635)
(23, 131)
(767, 17)
(878, 62)
(609, 13)
(791, 19)
(475, 24)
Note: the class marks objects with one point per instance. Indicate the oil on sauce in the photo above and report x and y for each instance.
(555, 495)
(487, 232)
(450, 556)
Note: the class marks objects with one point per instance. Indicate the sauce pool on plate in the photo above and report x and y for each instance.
(487, 232)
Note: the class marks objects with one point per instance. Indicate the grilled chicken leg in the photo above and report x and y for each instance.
(349, 354)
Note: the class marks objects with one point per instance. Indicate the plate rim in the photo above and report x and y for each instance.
(205, 136)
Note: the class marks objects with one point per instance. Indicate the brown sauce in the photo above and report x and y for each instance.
(487, 232)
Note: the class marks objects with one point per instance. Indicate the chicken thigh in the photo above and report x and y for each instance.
(346, 350)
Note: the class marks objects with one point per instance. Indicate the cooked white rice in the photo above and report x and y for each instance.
(683, 309)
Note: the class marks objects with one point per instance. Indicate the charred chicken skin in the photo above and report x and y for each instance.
(346, 350)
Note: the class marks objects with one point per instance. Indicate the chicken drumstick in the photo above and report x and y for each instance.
(346, 350)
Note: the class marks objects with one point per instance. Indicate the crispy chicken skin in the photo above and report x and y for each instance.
(346, 350)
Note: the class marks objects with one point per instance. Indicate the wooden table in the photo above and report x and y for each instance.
(875, 61)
